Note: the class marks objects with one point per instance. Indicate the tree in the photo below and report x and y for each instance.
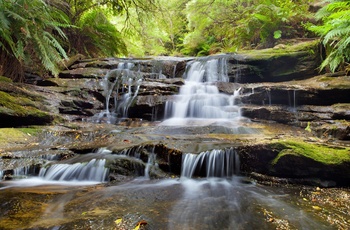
(335, 33)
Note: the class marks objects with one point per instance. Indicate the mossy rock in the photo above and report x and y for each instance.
(298, 159)
(5, 79)
(15, 136)
(284, 63)
(21, 111)
(328, 155)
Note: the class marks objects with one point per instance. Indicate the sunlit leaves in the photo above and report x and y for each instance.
(335, 33)
(236, 24)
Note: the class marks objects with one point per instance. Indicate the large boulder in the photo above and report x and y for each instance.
(281, 63)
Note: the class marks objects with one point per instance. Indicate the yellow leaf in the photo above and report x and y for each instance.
(77, 136)
(137, 227)
(316, 207)
(118, 221)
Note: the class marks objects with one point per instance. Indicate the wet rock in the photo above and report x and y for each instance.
(19, 107)
(279, 114)
(335, 129)
(83, 73)
(295, 160)
(127, 167)
(275, 65)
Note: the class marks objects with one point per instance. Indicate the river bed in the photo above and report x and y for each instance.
(177, 203)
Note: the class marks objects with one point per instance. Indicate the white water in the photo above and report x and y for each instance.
(199, 101)
(86, 173)
(94, 170)
(121, 85)
(214, 163)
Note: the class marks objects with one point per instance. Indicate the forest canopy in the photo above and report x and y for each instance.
(40, 34)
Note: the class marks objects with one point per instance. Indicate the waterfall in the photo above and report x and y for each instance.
(199, 98)
(214, 163)
(122, 85)
(93, 170)
(144, 155)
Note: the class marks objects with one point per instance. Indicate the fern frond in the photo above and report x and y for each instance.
(4, 22)
(14, 15)
(53, 42)
(338, 33)
(338, 6)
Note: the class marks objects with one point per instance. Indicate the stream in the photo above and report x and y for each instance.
(178, 203)
(86, 191)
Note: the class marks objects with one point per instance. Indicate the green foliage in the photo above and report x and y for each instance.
(156, 32)
(29, 34)
(241, 24)
(97, 36)
(33, 33)
(94, 33)
(335, 33)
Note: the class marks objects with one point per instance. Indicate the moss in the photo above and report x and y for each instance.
(18, 106)
(5, 79)
(325, 78)
(12, 135)
(32, 131)
(321, 153)
(308, 47)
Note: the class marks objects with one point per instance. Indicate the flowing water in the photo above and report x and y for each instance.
(199, 101)
(122, 85)
(209, 194)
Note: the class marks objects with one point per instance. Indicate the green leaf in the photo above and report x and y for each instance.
(277, 34)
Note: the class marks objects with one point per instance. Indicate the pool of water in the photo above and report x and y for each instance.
(178, 203)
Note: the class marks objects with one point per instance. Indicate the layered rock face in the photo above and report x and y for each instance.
(272, 87)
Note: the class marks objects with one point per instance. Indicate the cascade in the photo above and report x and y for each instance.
(122, 85)
(23, 171)
(214, 163)
(268, 92)
(199, 98)
(294, 100)
(142, 154)
(93, 170)
(150, 162)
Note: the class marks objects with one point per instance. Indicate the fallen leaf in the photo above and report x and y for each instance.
(118, 221)
(317, 208)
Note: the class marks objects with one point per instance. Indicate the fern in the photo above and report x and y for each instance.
(101, 37)
(334, 32)
(30, 30)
